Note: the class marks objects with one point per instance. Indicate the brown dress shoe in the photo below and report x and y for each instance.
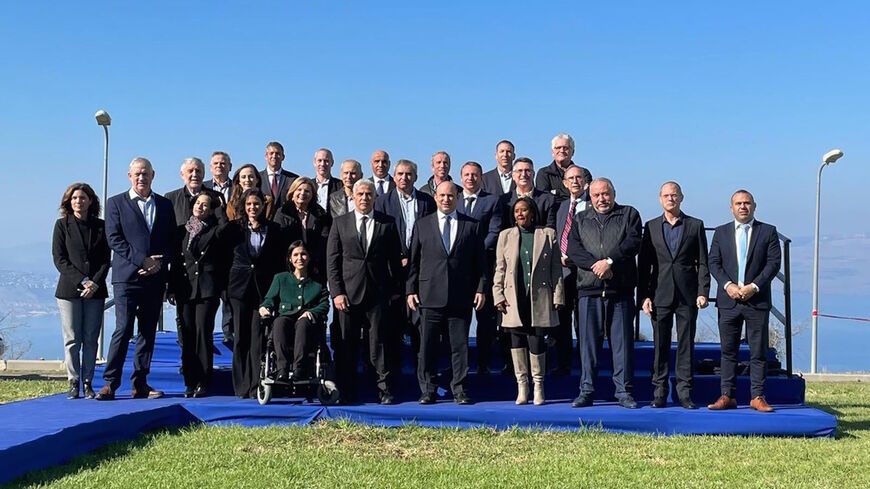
(147, 392)
(724, 402)
(760, 404)
(105, 394)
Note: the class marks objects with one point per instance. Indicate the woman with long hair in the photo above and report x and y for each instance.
(303, 219)
(245, 178)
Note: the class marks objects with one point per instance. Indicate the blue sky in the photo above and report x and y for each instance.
(716, 97)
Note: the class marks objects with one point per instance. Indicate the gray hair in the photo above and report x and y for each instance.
(356, 165)
(604, 180)
(442, 152)
(408, 163)
(141, 160)
(362, 182)
(328, 153)
(193, 160)
(564, 136)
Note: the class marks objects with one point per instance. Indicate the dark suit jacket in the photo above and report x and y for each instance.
(561, 218)
(129, 239)
(547, 208)
(428, 188)
(76, 259)
(199, 271)
(182, 203)
(441, 279)
(549, 180)
(673, 279)
(488, 212)
(333, 185)
(389, 205)
(373, 276)
(391, 184)
(763, 258)
(491, 183)
(209, 184)
(314, 234)
(338, 203)
(254, 272)
(284, 182)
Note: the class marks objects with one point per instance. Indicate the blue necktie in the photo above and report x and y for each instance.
(742, 245)
(445, 234)
(380, 188)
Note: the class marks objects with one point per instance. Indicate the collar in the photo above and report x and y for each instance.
(318, 181)
(750, 223)
(466, 195)
(385, 179)
(359, 216)
(411, 196)
(271, 173)
(133, 195)
(442, 215)
(529, 194)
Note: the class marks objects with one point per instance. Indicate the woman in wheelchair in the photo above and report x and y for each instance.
(300, 304)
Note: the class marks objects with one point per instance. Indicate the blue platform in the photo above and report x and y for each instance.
(52, 430)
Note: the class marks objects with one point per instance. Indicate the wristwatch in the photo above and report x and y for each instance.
(609, 261)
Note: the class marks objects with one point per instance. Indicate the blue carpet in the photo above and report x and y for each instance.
(52, 430)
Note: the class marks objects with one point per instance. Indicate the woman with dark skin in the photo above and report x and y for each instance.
(303, 219)
(527, 290)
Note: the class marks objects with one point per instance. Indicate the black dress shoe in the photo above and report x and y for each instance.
(105, 394)
(73, 392)
(188, 392)
(146, 392)
(583, 400)
(427, 398)
(88, 390)
(385, 398)
(658, 402)
(628, 402)
(688, 404)
(200, 391)
(462, 399)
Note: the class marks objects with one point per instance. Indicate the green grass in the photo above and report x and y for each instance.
(18, 388)
(339, 454)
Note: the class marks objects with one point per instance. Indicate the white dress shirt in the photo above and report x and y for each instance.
(454, 225)
(370, 225)
(465, 196)
(506, 179)
(322, 192)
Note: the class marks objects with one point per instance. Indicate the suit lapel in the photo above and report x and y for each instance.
(656, 234)
(134, 207)
(537, 247)
(756, 229)
(683, 235)
(72, 230)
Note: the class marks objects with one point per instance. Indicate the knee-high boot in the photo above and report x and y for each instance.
(520, 357)
(538, 365)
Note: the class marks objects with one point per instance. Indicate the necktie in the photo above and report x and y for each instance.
(380, 188)
(445, 234)
(742, 243)
(469, 201)
(363, 235)
(275, 186)
(563, 243)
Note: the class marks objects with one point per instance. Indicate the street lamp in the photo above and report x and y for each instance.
(103, 119)
(828, 158)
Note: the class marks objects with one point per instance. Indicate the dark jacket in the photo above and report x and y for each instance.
(337, 203)
(289, 296)
(678, 278)
(333, 185)
(488, 211)
(547, 208)
(182, 203)
(429, 187)
(76, 259)
(314, 234)
(491, 183)
(200, 270)
(253, 274)
(616, 235)
(763, 259)
(549, 179)
(284, 182)
(389, 204)
(131, 242)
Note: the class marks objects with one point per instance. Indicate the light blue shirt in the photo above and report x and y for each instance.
(409, 213)
(147, 207)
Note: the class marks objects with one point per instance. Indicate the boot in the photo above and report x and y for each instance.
(88, 389)
(539, 366)
(520, 357)
(73, 392)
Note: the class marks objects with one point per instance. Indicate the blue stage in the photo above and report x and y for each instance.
(52, 430)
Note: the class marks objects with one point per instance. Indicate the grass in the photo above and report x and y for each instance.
(19, 388)
(341, 454)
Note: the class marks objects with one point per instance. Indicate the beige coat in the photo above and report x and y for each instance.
(546, 281)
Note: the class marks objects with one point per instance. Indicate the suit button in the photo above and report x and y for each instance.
(300, 297)
(197, 262)
(184, 264)
(252, 265)
(196, 273)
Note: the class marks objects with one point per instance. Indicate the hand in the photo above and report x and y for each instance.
(747, 291)
(341, 303)
(308, 315)
(150, 265)
(404, 262)
(413, 301)
(701, 302)
(170, 297)
(600, 268)
(733, 291)
(564, 261)
(89, 290)
(479, 301)
(558, 306)
(265, 312)
(502, 307)
(647, 307)
(607, 275)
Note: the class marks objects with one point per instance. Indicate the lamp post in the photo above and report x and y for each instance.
(103, 119)
(828, 158)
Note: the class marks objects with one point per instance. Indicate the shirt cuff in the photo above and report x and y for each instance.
(725, 286)
(85, 280)
(757, 290)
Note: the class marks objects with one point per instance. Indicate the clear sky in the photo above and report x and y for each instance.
(717, 97)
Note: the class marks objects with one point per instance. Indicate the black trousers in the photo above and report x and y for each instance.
(455, 321)
(531, 338)
(295, 338)
(662, 321)
(373, 318)
(141, 303)
(569, 323)
(226, 316)
(613, 316)
(197, 346)
(248, 344)
(730, 326)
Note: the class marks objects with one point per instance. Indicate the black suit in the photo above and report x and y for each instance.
(429, 186)
(547, 208)
(491, 183)
(389, 204)
(284, 183)
(332, 185)
(226, 309)
(673, 281)
(249, 279)
(445, 284)
(763, 259)
(77, 256)
(390, 185)
(314, 233)
(368, 279)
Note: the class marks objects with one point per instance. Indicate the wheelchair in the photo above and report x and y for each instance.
(321, 385)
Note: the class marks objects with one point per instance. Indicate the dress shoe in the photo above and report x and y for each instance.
(760, 404)
(687, 403)
(73, 392)
(427, 398)
(628, 402)
(658, 402)
(146, 392)
(89, 390)
(200, 391)
(385, 398)
(188, 392)
(724, 402)
(583, 400)
(105, 394)
(462, 399)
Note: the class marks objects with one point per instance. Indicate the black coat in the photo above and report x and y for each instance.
(314, 234)
(182, 203)
(253, 274)
(200, 270)
(75, 259)
(668, 279)
(284, 183)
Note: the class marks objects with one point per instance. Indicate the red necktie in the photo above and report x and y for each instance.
(275, 186)
(563, 243)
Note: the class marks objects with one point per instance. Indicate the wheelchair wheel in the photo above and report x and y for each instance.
(264, 394)
(327, 393)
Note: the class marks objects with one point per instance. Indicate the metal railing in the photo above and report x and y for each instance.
(101, 339)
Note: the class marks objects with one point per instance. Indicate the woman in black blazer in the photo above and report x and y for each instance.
(81, 255)
(259, 247)
(301, 218)
(196, 278)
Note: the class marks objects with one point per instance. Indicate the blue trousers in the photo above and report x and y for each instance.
(134, 302)
(612, 316)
